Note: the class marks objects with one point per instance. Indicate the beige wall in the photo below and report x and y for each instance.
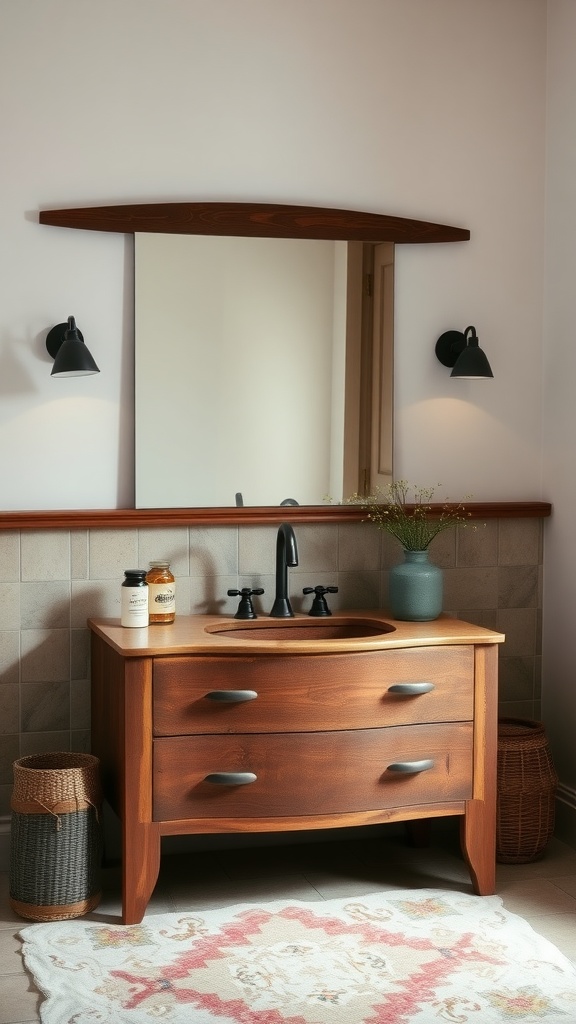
(432, 109)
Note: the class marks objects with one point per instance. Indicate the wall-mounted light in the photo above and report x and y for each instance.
(462, 351)
(65, 344)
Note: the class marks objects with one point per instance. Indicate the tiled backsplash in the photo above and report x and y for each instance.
(52, 581)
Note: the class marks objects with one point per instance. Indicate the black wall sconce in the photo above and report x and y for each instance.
(462, 351)
(65, 344)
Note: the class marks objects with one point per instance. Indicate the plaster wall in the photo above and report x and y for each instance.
(427, 109)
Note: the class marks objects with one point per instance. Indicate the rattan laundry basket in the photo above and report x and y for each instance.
(527, 784)
(56, 836)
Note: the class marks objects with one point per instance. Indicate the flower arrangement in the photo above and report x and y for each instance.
(414, 523)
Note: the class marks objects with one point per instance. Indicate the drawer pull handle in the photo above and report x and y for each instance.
(411, 767)
(232, 696)
(231, 778)
(411, 689)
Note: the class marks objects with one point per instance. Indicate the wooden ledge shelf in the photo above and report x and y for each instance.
(77, 519)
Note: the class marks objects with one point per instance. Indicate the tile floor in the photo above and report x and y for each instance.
(544, 893)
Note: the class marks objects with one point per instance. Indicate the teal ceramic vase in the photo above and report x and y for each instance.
(415, 588)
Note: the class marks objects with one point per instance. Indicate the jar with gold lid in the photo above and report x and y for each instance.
(161, 593)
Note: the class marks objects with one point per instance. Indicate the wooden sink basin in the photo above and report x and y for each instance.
(332, 628)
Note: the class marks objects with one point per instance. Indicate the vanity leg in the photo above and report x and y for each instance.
(418, 832)
(140, 833)
(478, 841)
(140, 869)
(478, 825)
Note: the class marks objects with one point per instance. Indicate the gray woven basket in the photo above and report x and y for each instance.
(56, 836)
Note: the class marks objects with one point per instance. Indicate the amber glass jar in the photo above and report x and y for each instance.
(161, 593)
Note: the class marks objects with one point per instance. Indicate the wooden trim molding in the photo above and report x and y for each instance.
(263, 220)
(77, 519)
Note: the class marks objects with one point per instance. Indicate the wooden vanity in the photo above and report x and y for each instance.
(210, 725)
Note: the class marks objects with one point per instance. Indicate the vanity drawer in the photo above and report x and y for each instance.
(310, 773)
(311, 692)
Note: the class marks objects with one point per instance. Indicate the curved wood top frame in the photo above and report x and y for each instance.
(253, 220)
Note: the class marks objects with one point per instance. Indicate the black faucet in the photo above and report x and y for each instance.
(286, 554)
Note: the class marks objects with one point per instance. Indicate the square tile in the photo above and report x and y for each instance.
(20, 1000)
(80, 705)
(359, 547)
(170, 543)
(518, 709)
(518, 586)
(9, 556)
(532, 898)
(209, 594)
(10, 605)
(45, 605)
(214, 551)
(560, 930)
(92, 599)
(471, 588)
(5, 798)
(9, 752)
(45, 655)
(79, 653)
(318, 545)
(9, 656)
(390, 550)
(478, 544)
(487, 617)
(519, 541)
(79, 554)
(515, 679)
(44, 742)
(45, 555)
(443, 549)
(111, 552)
(357, 590)
(520, 626)
(9, 709)
(45, 706)
(256, 550)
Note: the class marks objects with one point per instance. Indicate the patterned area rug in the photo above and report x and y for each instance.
(403, 957)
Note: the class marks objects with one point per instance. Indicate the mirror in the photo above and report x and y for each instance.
(263, 370)
(260, 220)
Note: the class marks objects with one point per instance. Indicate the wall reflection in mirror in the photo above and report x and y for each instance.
(263, 370)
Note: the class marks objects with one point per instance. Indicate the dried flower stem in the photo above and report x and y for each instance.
(416, 523)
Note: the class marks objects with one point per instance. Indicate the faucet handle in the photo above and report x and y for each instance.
(319, 606)
(245, 607)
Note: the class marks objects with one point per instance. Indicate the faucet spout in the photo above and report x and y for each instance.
(286, 555)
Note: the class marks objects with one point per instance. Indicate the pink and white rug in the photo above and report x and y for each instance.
(398, 957)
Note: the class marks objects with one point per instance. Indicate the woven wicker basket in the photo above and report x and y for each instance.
(527, 782)
(56, 836)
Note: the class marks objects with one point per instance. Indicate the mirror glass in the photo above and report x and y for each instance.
(263, 370)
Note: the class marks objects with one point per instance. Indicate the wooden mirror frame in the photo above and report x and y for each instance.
(251, 220)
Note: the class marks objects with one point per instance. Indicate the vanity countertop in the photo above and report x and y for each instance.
(202, 634)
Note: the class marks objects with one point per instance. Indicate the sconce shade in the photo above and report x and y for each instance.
(65, 344)
(461, 351)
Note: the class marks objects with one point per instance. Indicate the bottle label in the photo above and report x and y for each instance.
(161, 598)
(134, 606)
